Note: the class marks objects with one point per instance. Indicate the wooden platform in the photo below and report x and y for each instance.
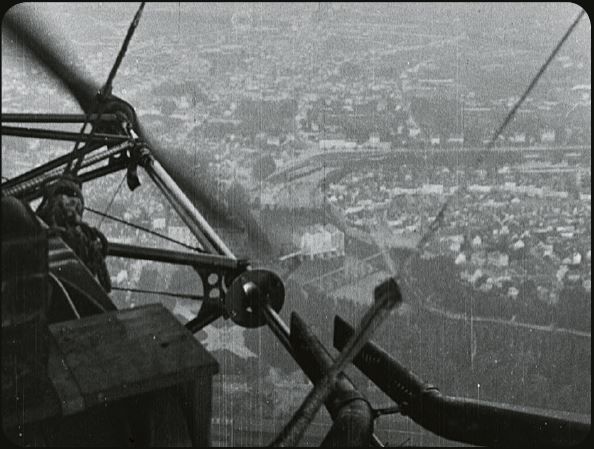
(106, 358)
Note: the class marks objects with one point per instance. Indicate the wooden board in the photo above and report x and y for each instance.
(115, 355)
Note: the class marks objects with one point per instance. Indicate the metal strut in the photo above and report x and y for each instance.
(37, 133)
(461, 419)
(352, 414)
(386, 296)
(196, 223)
(57, 118)
(27, 184)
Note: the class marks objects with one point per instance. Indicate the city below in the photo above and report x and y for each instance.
(346, 128)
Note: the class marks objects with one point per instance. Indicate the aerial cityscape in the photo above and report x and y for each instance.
(347, 127)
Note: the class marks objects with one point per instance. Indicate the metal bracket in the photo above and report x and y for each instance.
(212, 282)
(377, 412)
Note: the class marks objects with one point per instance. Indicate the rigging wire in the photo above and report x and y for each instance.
(438, 220)
(113, 197)
(294, 429)
(515, 108)
(120, 57)
(106, 90)
(142, 228)
(157, 292)
(68, 166)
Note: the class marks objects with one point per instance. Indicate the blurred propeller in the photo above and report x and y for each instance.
(203, 191)
(26, 25)
(32, 31)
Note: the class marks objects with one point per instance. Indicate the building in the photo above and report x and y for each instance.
(335, 141)
(431, 189)
(318, 241)
(581, 92)
(159, 223)
(460, 259)
(181, 234)
(498, 259)
(547, 136)
(374, 138)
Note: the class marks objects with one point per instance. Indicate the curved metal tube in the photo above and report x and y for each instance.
(460, 419)
(352, 415)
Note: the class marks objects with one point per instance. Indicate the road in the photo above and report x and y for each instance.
(425, 303)
(340, 157)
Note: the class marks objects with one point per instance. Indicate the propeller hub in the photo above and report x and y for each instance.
(249, 292)
(111, 104)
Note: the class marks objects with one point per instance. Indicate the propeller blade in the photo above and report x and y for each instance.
(30, 30)
(202, 190)
(239, 205)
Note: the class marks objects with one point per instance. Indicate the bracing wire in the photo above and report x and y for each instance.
(106, 90)
(123, 49)
(292, 431)
(144, 229)
(158, 292)
(438, 220)
(511, 114)
(68, 166)
(113, 197)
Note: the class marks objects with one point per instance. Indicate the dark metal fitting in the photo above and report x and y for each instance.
(353, 396)
(386, 411)
(250, 292)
